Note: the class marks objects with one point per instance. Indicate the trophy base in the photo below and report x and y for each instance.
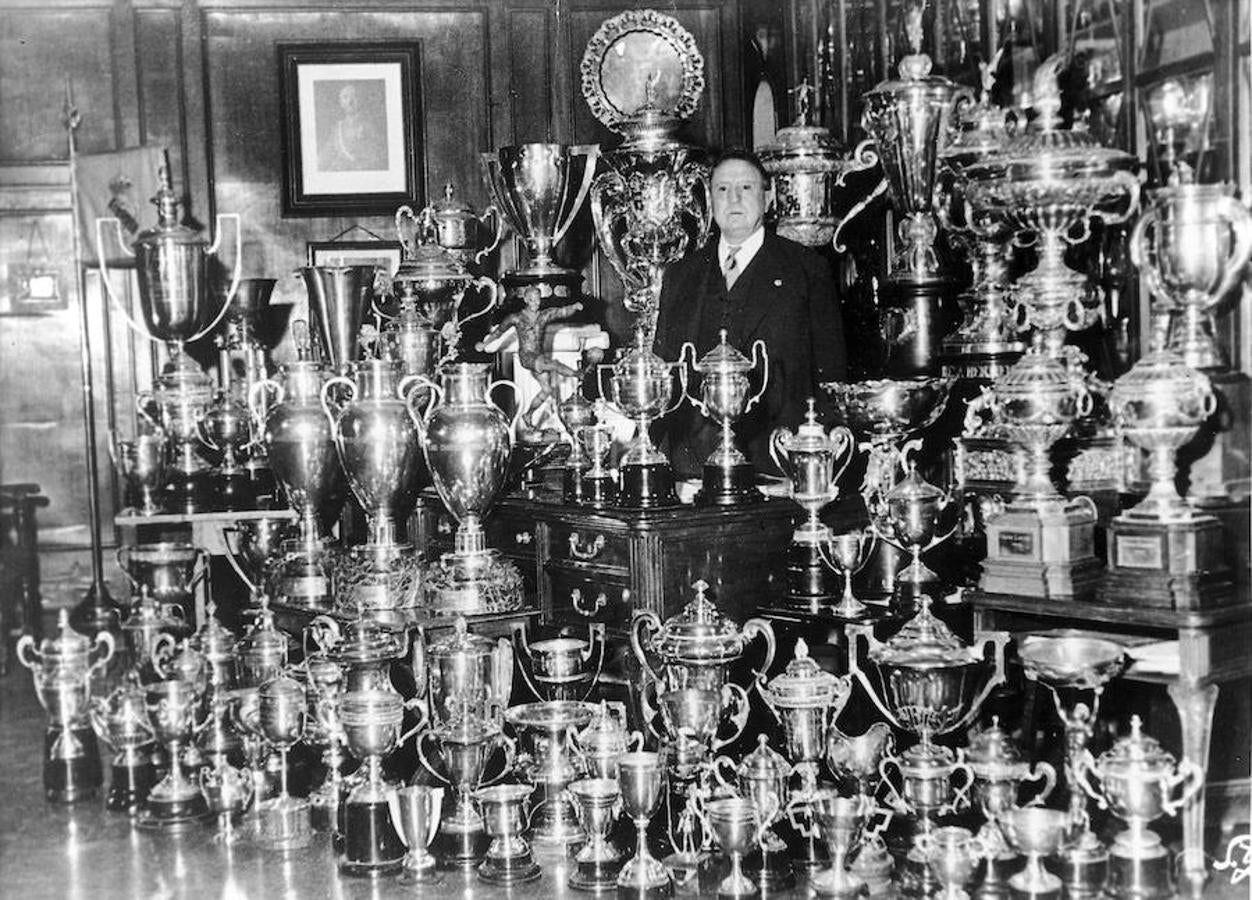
(173, 813)
(425, 872)
(598, 491)
(771, 869)
(840, 885)
(472, 583)
(283, 823)
(647, 486)
(1171, 565)
(595, 875)
(557, 285)
(554, 821)
(917, 310)
(508, 870)
(188, 493)
(371, 845)
(459, 849)
(377, 576)
(1031, 555)
(1083, 870)
(232, 490)
(572, 485)
(685, 868)
(1145, 877)
(76, 776)
(309, 589)
(994, 883)
(1216, 461)
(728, 486)
(874, 866)
(129, 785)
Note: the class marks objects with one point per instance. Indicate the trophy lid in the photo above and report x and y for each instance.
(169, 229)
(213, 639)
(460, 643)
(924, 642)
(804, 683)
(699, 632)
(149, 615)
(1035, 374)
(449, 207)
(991, 745)
(1135, 754)
(428, 264)
(723, 358)
(282, 688)
(914, 68)
(606, 730)
(67, 647)
(1162, 372)
(185, 663)
(802, 146)
(639, 361)
(263, 640)
(764, 763)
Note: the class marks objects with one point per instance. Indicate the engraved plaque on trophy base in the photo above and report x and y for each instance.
(1041, 555)
(646, 486)
(556, 286)
(974, 365)
(1174, 565)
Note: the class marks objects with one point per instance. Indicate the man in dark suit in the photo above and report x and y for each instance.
(756, 285)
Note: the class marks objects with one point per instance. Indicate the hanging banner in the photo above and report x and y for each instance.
(118, 185)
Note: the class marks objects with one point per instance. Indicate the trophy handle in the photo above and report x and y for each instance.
(863, 158)
(1132, 200)
(324, 632)
(1042, 771)
(770, 703)
(682, 361)
(648, 710)
(105, 646)
(879, 189)
(161, 653)
(973, 422)
(521, 650)
(104, 273)
(604, 396)
(502, 673)
(436, 813)
(682, 389)
(233, 559)
(778, 452)
(393, 807)
(645, 621)
(143, 400)
(517, 395)
(738, 719)
(122, 554)
(894, 798)
(805, 827)
(492, 218)
(842, 434)
(1190, 776)
(855, 670)
(509, 746)
(1241, 224)
(596, 639)
(753, 627)
(999, 640)
(403, 235)
(425, 760)
(256, 397)
(592, 152)
(960, 796)
(721, 762)
(348, 384)
(493, 299)
(234, 278)
(760, 356)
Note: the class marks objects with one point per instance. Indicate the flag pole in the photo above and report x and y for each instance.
(97, 611)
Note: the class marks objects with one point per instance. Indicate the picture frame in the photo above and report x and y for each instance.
(351, 141)
(380, 254)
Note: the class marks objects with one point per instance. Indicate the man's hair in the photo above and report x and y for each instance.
(745, 155)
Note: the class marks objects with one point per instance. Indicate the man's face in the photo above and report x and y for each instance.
(738, 199)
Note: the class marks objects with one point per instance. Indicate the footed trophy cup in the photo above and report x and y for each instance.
(415, 813)
(597, 804)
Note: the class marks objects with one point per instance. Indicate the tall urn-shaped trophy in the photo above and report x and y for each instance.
(379, 451)
(467, 440)
(642, 75)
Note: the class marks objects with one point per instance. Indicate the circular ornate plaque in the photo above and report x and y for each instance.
(639, 57)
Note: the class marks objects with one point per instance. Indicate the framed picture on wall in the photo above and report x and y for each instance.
(352, 128)
(383, 255)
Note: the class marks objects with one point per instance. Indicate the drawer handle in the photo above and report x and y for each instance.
(523, 537)
(585, 551)
(576, 598)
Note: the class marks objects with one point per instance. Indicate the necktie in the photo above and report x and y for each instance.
(731, 269)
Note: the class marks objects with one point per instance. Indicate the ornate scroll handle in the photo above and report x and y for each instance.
(425, 760)
(491, 218)
(894, 798)
(778, 451)
(721, 762)
(999, 640)
(751, 629)
(758, 347)
(1190, 777)
(845, 445)
(597, 643)
(864, 157)
(162, 651)
(585, 552)
(855, 671)
(648, 708)
(645, 624)
(324, 633)
(688, 349)
(493, 299)
(856, 210)
(408, 391)
(960, 796)
(143, 400)
(738, 719)
(104, 271)
(328, 404)
(576, 600)
(1132, 200)
(232, 555)
(517, 395)
(1241, 224)
(682, 388)
(1041, 771)
(509, 747)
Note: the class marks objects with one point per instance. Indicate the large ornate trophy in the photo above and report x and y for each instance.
(928, 682)
(909, 119)
(466, 440)
(724, 397)
(642, 76)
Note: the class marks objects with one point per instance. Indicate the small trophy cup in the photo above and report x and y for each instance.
(415, 812)
(597, 803)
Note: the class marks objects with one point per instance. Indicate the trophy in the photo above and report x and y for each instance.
(849, 552)
(141, 463)
(559, 668)
(283, 821)
(736, 823)
(226, 429)
(173, 708)
(597, 804)
(122, 722)
(539, 190)
(264, 649)
(227, 793)
(1162, 551)
(378, 447)
(468, 237)
(338, 299)
(914, 517)
(254, 547)
(724, 398)
(1038, 833)
(952, 853)
(415, 812)
(63, 668)
(642, 777)
(642, 387)
(547, 732)
(167, 571)
(466, 440)
(928, 683)
(146, 621)
(176, 405)
(861, 759)
(840, 820)
(1053, 183)
(1076, 663)
(761, 778)
(909, 119)
(1139, 782)
(808, 174)
(508, 859)
(642, 75)
(813, 460)
(299, 441)
(599, 486)
(606, 738)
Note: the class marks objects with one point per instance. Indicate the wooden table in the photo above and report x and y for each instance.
(1213, 649)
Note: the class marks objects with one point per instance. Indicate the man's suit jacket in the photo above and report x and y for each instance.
(786, 296)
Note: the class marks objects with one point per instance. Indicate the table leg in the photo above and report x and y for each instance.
(1195, 703)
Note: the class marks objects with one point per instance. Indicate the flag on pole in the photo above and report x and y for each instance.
(118, 185)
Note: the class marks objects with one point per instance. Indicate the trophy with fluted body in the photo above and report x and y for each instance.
(466, 440)
(642, 75)
(642, 388)
(1041, 544)
(910, 118)
(377, 442)
(928, 682)
(300, 443)
(725, 395)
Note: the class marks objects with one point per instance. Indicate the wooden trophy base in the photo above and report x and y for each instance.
(1169, 565)
(1034, 554)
